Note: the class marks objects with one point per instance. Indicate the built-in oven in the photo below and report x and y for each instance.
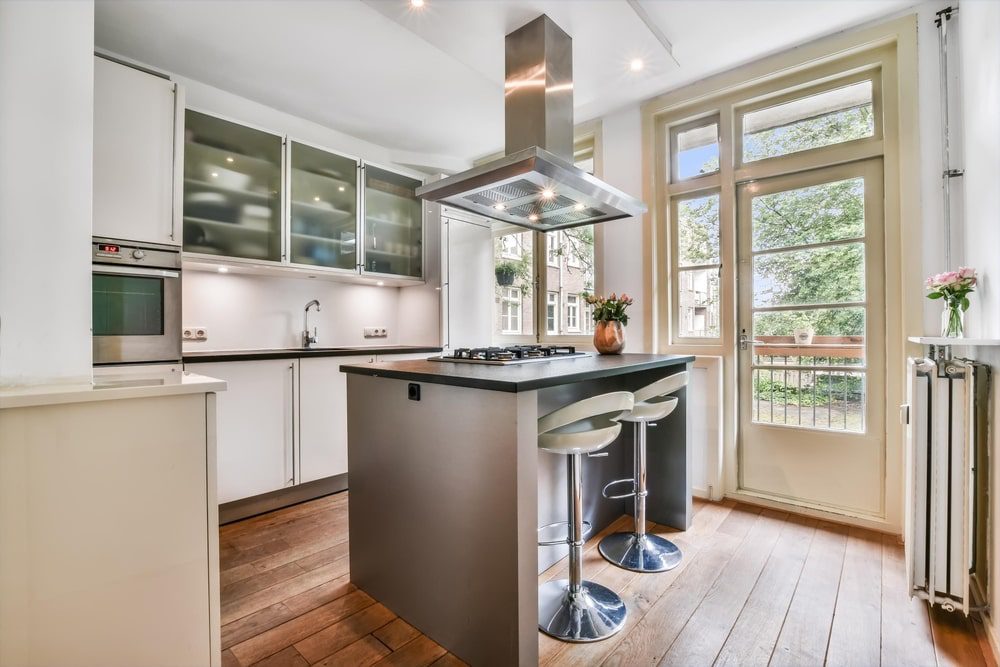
(136, 302)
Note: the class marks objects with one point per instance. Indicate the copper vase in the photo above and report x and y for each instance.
(609, 337)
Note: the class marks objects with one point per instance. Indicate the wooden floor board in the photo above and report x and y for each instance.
(806, 630)
(753, 587)
(856, 635)
(755, 632)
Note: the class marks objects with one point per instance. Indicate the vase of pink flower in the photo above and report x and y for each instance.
(954, 288)
(610, 319)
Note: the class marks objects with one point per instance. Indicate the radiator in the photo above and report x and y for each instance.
(947, 477)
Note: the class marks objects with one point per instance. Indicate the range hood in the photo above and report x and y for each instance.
(535, 185)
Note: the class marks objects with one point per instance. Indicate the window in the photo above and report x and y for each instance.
(695, 149)
(546, 279)
(698, 262)
(831, 117)
(552, 242)
(552, 313)
(572, 312)
(513, 264)
(511, 246)
(510, 310)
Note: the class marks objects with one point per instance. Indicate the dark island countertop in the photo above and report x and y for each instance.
(299, 353)
(518, 377)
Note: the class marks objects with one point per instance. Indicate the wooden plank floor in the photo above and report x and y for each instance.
(755, 587)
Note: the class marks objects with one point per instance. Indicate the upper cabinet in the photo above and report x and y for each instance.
(324, 208)
(393, 224)
(258, 198)
(137, 125)
(232, 189)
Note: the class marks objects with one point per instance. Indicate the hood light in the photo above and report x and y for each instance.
(532, 217)
(223, 269)
(499, 207)
(548, 194)
(579, 207)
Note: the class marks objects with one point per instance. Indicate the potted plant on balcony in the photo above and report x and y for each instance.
(610, 319)
(506, 273)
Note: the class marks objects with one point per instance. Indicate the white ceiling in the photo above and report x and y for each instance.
(430, 81)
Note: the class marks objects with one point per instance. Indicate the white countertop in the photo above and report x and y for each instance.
(111, 388)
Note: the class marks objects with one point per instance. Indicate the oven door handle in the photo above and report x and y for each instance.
(135, 271)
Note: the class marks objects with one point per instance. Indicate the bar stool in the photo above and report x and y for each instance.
(637, 550)
(573, 609)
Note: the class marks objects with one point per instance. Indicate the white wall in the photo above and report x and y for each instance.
(248, 311)
(622, 239)
(46, 175)
(980, 72)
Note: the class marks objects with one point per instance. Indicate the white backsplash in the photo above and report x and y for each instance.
(243, 311)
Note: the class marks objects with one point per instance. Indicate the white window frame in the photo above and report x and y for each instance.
(891, 45)
(553, 244)
(514, 251)
(573, 313)
(552, 313)
(510, 304)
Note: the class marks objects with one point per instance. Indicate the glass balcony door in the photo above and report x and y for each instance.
(323, 208)
(393, 226)
(812, 325)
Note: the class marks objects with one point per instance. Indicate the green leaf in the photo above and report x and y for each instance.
(965, 303)
(935, 295)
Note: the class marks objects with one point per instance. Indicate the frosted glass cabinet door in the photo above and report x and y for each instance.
(232, 189)
(324, 199)
(393, 224)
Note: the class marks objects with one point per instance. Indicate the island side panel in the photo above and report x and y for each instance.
(668, 465)
(443, 503)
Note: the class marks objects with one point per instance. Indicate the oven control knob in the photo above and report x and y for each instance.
(138, 254)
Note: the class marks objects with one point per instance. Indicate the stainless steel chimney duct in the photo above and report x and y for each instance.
(536, 185)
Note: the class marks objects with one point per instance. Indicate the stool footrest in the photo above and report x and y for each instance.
(606, 490)
(587, 527)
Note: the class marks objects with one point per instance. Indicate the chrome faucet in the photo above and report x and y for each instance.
(307, 338)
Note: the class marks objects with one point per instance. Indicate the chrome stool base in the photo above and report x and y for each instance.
(640, 553)
(590, 615)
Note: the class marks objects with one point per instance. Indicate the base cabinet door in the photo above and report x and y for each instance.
(255, 425)
(323, 416)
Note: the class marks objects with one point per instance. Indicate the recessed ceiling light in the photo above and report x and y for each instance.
(417, 4)
(532, 217)
(229, 159)
(579, 207)
(548, 194)
(636, 65)
(499, 207)
(223, 269)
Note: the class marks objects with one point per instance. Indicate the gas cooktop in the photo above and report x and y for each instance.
(514, 354)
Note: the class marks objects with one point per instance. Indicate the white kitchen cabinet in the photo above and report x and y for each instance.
(109, 552)
(469, 282)
(256, 425)
(136, 147)
(323, 416)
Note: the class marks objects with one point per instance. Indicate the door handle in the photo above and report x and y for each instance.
(744, 340)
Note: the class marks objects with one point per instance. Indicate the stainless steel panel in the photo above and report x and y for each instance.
(538, 90)
(536, 184)
(517, 182)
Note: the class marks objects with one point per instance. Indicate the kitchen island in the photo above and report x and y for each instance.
(448, 488)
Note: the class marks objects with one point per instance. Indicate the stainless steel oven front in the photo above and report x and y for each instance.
(136, 302)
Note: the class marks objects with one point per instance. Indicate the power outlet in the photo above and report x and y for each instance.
(376, 332)
(195, 333)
